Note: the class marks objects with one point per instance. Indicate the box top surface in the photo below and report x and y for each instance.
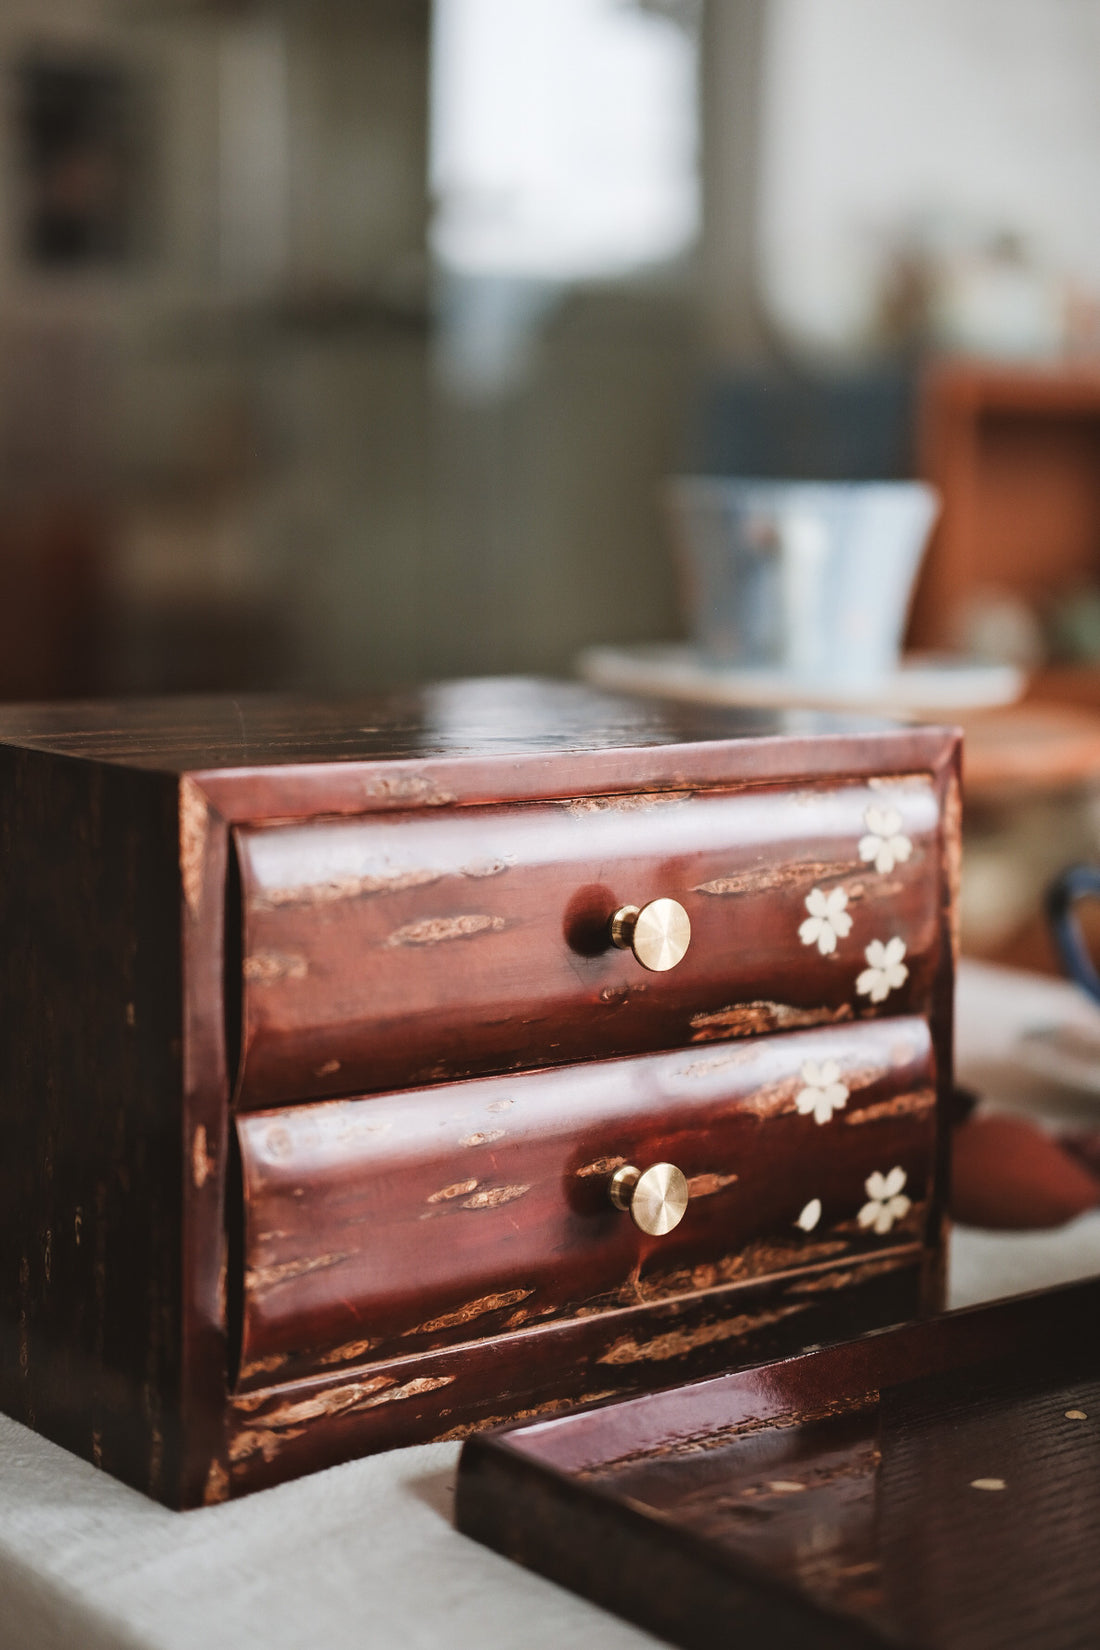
(489, 718)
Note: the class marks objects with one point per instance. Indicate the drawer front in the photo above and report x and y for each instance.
(380, 1227)
(387, 952)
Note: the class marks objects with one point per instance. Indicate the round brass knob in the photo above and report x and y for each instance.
(655, 1200)
(658, 934)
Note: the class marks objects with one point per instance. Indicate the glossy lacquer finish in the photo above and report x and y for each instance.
(381, 1227)
(475, 725)
(153, 1318)
(291, 1427)
(934, 1487)
(411, 949)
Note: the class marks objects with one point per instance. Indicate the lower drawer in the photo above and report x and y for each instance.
(378, 1228)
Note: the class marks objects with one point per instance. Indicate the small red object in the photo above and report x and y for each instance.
(1007, 1174)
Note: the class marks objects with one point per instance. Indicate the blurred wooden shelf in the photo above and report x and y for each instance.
(1015, 454)
(991, 386)
(1030, 748)
(1066, 685)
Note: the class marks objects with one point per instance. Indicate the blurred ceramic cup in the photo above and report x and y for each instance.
(812, 579)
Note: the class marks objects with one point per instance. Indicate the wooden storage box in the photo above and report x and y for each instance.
(323, 1078)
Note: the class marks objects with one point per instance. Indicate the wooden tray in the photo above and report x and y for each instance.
(932, 1485)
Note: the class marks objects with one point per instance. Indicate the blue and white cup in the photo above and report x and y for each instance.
(812, 579)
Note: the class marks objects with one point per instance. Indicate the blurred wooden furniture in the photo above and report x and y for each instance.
(1028, 750)
(1031, 780)
(53, 556)
(1015, 452)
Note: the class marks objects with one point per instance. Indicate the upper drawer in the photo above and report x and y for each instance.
(377, 1228)
(386, 951)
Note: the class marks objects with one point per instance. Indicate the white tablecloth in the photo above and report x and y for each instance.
(365, 1555)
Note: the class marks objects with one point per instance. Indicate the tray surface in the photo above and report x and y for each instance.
(934, 1485)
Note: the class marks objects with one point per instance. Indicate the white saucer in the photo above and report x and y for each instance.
(922, 683)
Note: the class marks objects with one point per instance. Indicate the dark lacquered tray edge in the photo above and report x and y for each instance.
(627, 1559)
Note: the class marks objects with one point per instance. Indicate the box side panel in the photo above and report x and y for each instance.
(89, 1111)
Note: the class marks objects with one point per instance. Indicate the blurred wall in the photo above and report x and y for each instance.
(235, 456)
(892, 122)
(549, 512)
(246, 452)
(226, 429)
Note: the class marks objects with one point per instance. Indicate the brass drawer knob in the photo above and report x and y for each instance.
(658, 933)
(655, 1200)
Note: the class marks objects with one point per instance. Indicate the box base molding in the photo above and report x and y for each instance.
(282, 1432)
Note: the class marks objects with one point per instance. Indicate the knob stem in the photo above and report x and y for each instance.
(623, 924)
(623, 1182)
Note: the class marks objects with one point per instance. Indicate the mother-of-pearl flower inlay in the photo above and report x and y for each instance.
(824, 1092)
(886, 1200)
(885, 971)
(828, 920)
(810, 1215)
(885, 844)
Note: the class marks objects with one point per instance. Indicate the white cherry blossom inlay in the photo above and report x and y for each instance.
(828, 920)
(810, 1215)
(824, 1092)
(885, 970)
(885, 844)
(887, 1201)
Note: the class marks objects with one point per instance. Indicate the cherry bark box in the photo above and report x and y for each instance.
(383, 1071)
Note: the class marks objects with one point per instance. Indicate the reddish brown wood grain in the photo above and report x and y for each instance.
(91, 1181)
(382, 1227)
(280, 1431)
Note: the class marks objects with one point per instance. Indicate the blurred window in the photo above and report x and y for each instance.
(564, 135)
